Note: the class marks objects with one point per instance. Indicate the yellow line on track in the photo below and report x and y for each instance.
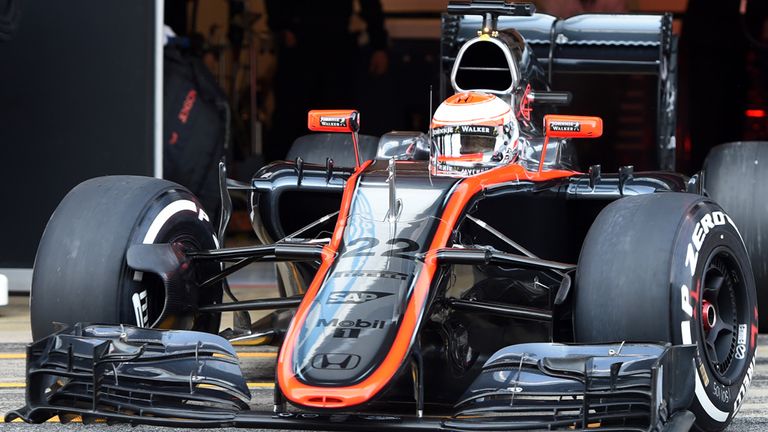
(12, 356)
(257, 355)
(52, 420)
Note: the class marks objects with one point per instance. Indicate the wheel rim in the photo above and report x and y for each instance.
(154, 286)
(724, 306)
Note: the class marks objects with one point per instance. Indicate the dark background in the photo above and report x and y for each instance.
(76, 101)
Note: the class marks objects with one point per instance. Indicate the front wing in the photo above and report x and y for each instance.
(125, 374)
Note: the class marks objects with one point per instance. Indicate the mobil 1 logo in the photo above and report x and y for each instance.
(350, 328)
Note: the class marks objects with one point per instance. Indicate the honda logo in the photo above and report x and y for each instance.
(335, 361)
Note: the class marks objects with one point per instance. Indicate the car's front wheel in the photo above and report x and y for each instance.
(81, 274)
(672, 267)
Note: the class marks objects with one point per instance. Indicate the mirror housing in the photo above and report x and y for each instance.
(337, 121)
(334, 121)
(568, 126)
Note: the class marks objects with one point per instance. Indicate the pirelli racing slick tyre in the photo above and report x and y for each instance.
(736, 177)
(672, 267)
(80, 272)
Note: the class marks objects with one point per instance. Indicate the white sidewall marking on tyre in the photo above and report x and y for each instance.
(744, 386)
(140, 309)
(203, 216)
(701, 392)
(685, 333)
(709, 407)
(169, 210)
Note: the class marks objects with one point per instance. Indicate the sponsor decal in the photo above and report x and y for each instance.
(565, 126)
(350, 328)
(140, 308)
(466, 130)
(477, 130)
(186, 107)
(355, 297)
(685, 296)
(467, 171)
(741, 347)
(700, 231)
(333, 121)
(722, 393)
(358, 324)
(704, 375)
(335, 361)
(514, 389)
(744, 387)
(445, 130)
(346, 333)
(371, 274)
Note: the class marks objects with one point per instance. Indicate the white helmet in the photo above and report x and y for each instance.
(473, 132)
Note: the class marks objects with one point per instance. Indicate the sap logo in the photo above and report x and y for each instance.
(700, 231)
(335, 361)
(354, 297)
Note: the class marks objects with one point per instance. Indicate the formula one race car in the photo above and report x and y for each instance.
(473, 279)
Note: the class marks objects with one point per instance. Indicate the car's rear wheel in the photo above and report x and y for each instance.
(672, 267)
(736, 177)
(80, 272)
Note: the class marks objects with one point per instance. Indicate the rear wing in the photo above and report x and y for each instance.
(590, 43)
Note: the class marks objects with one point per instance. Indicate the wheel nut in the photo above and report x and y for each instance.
(709, 315)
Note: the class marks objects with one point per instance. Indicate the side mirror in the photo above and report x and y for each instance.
(567, 126)
(334, 121)
(337, 121)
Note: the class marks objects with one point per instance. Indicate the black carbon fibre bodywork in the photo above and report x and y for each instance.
(123, 369)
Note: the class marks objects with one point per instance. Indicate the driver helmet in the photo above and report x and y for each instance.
(473, 132)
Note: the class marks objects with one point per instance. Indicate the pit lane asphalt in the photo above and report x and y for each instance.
(258, 368)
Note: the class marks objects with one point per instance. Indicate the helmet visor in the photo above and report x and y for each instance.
(468, 143)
